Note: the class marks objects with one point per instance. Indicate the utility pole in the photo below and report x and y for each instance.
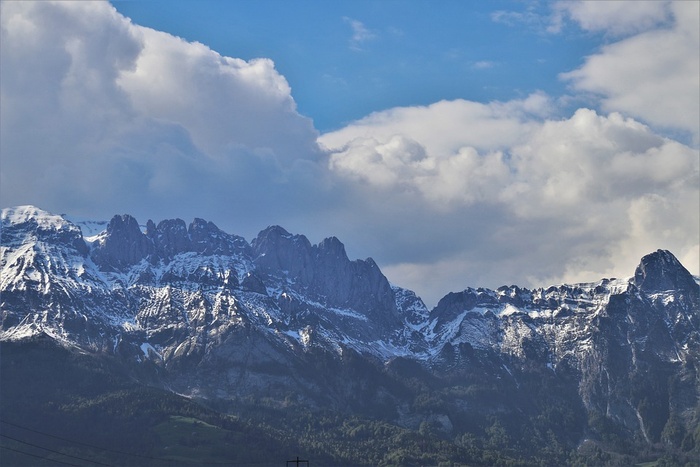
(298, 462)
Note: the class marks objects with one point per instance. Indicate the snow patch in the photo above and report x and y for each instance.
(23, 214)
(509, 310)
(147, 348)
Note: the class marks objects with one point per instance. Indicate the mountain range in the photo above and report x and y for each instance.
(603, 372)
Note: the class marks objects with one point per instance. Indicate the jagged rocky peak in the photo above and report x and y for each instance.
(355, 284)
(122, 245)
(661, 271)
(277, 250)
(208, 239)
(169, 237)
(324, 270)
(20, 221)
(455, 303)
(332, 247)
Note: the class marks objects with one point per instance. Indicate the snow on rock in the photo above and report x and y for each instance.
(33, 215)
(186, 288)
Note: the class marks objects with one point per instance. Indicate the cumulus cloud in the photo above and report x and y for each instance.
(649, 65)
(653, 74)
(615, 17)
(223, 102)
(604, 177)
(450, 152)
(452, 124)
(502, 190)
(101, 115)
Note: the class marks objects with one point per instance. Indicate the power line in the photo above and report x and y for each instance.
(82, 443)
(38, 457)
(162, 459)
(54, 451)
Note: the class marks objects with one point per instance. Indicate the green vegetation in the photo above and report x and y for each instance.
(59, 406)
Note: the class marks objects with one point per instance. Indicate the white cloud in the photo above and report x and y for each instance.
(101, 115)
(544, 201)
(650, 66)
(615, 17)
(528, 18)
(652, 75)
(223, 102)
(532, 17)
(590, 159)
(450, 152)
(360, 33)
(483, 65)
(618, 188)
(452, 124)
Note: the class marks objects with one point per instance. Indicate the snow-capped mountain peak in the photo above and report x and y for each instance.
(193, 296)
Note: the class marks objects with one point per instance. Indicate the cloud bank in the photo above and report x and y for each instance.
(510, 191)
(102, 116)
(651, 75)
(547, 200)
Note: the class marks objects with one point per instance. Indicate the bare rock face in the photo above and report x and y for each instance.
(355, 284)
(455, 303)
(661, 271)
(279, 252)
(169, 237)
(123, 245)
(630, 345)
(207, 239)
(325, 273)
(223, 317)
(252, 283)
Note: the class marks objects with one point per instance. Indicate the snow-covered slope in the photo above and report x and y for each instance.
(175, 282)
(197, 300)
(174, 285)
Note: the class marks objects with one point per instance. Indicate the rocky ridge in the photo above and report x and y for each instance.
(227, 317)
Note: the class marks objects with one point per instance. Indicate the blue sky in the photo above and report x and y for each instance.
(347, 59)
(457, 143)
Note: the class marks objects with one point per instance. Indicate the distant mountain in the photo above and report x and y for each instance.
(601, 369)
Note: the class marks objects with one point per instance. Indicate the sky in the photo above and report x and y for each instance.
(459, 144)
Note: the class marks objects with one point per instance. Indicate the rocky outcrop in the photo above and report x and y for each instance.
(169, 237)
(204, 303)
(661, 271)
(325, 272)
(207, 239)
(277, 252)
(122, 245)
